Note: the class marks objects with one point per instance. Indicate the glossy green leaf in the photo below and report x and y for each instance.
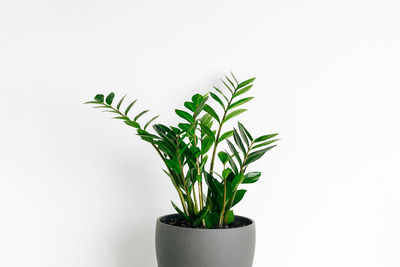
(216, 98)
(265, 143)
(184, 115)
(208, 131)
(237, 181)
(140, 114)
(173, 165)
(265, 137)
(257, 154)
(189, 106)
(233, 114)
(240, 102)
(201, 215)
(244, 132)
(243, 84)
(196, 99)
(99, 98)
(225, 173)
(133, 124)
(242, 91)
(150, 121)
(234, 151)
(110, 98)
(231, 217)
(120, 102)
(206, 144)
(121, 118)
(225, 135)
(238, 196)
(234, 78)
(129, 107)
(251, 177)
(211, 111)
(223, 157)
(227, 86)
(238, 141)
(230, 82)
(222, 94)
(181, 212)
(233, 165)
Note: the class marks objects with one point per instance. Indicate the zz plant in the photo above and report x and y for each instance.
(190, 151)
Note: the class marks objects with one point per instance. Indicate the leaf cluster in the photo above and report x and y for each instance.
(190, 149)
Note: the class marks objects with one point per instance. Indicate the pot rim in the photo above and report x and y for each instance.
(252, 224)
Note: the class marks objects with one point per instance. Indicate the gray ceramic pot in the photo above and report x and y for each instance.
(190, 247)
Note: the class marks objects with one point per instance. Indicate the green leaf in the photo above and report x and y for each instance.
(231, 217)
(243, 84)
(251, 177)
(201, 216)
(233, 114)
(234, 151)
(208, 131)
(219, 91)
(129, 107)
(121, 118)
(206, 144)
(225, 173)
(265, 137)
(233, 86)
(212, 112)
(181, 212)
(189, 106)
(173, 165)
(243, 134)
(99, 98)
(242, 91)
(223, 157)
(265, 143)
(243, 131)
(234, 78)
(225, 135)
(120, 102)
(196, 99)
(216, 98)
(150, 121)
(238, 196)
(110, 98)
(227, 86)
(212, 220)
(140, 114)
(184, 115)
(257, 154)
(233, 165)
(240, 102)
(237, 181)
(133, 124)
(238, 141)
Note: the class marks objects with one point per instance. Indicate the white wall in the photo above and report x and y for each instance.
(78, 189)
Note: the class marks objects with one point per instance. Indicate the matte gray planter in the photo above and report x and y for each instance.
(190, 247)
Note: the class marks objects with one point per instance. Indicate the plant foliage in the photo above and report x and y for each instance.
(190, 150)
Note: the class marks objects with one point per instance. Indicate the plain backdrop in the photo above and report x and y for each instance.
(78, 189)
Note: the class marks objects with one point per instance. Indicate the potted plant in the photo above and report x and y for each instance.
(204, 232)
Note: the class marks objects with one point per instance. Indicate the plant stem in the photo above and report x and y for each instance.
(222, 216)
(234, 193)
(173, 182)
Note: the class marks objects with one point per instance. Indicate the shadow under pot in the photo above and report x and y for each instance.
(196, 247)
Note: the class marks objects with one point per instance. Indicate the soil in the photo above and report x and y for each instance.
(177, 220)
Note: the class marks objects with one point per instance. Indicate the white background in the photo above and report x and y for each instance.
(80, 190)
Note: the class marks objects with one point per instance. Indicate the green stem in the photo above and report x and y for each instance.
(226, 216)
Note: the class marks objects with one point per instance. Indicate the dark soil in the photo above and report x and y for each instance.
(178, 220)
